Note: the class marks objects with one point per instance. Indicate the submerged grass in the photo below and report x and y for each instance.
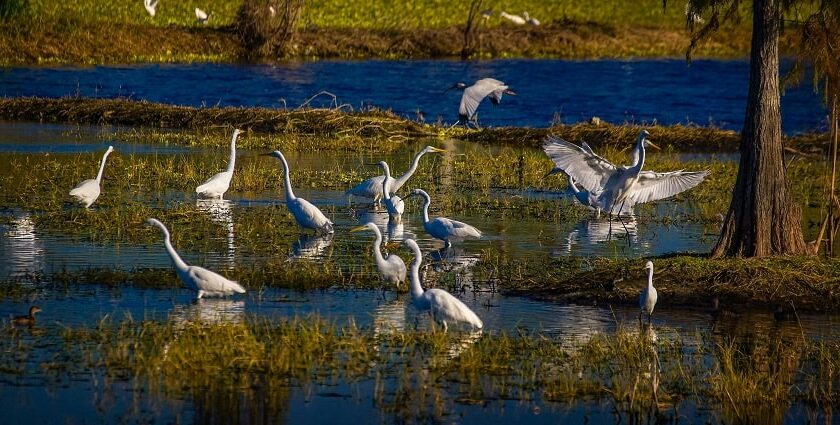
(412, 373)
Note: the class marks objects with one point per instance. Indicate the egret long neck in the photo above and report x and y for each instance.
(640, 162)
(232, 161)
(650, 279)
(290, 195)
(102, 166)
(377, 244)
(386, 184)
(400, 181)
(426, 201)
(176, 259)
(415, 289)
(634, 156)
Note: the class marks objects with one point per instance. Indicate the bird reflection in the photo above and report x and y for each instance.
(312, 247)
(22, 250)
(390, 317)
(464, 341)
(594, 231)
(220, 212)
(209, 311)
(391, 231)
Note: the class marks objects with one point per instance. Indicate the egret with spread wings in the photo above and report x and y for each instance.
(474, 94)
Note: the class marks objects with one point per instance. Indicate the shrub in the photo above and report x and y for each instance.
(266, 27)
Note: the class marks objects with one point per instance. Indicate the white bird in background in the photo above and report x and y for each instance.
(150, 6)
(691, 14)
(585, 197)
(391, 267)
(442, 305)
(530, 20)
(474, 94)
(443, 228)
(308, 216)
(372, 187)
(515, 19)
(201, 16)
(647, 300)
(487, 14)
(618, 188)
(202, 281)
(87, 191)
(393, 203)
(216, 186)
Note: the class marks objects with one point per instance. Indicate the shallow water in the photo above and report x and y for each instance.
(635, 91)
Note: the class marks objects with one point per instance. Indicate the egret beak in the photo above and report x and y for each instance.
(454, 86)
(266, 154)
(649, 143)
(510, 92)
(358, 229)
(434, 149)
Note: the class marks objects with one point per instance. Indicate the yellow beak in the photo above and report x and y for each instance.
(358, 229)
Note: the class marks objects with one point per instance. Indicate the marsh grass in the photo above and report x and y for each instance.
(411, 370)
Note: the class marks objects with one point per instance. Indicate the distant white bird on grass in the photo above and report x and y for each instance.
(530, 20)
(393, 203)
(150, 6)
(308, 216)
(514, 19)
(618, 188)
(372, 187)
(443, 228)
(474, 94)
(487, 14)
(87, 191)
(216, 186)
(201, 16)
(202, 281)
(442, 305)
(391, 267)
(647, 300)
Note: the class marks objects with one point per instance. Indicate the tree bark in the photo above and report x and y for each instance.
(762, 220)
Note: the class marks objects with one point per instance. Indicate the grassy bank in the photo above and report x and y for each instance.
(91, 32)
(339, 129)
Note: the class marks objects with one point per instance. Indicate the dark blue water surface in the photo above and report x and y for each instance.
(663, 91)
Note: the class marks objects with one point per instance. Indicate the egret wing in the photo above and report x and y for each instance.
(448, 308)
(474, 94)
(212, 282)
(652, 186)
(369, 188)
(458, 229)
(589, 170)
(308, 213)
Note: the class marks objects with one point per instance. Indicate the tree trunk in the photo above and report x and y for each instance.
(762, 220)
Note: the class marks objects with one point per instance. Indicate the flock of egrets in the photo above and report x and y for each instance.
(606, 187)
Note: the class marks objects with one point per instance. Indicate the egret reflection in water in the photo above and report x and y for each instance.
(312, 247)
(220, 212)
(21, 247)
(391, 231)
(209, 311)
(593, 231)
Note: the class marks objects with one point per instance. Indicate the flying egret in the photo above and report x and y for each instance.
(515, 19)
(530, 20)
(443, 228)
(216, 186)
(150, 6)
(618, 188)
(474, 94)
(647, 300)
(391, 268)
(27, 320)
(393, 203)
(308, 216)
(202, 281)
(201, 16)
(87, 191)
(372, 187)
(443, 306)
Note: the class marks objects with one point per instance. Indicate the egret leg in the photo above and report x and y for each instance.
(623, 224)
(200, 294)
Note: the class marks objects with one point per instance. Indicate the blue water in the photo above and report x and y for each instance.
(662, 91)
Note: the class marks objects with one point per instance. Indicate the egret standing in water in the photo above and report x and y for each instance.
(442, 305)
(474, 94)
(202, 281)
(443, 228)
(216, 186)
(393, 203)
(618, 188)
(308, 216)
(647, 300)
(391, 267)
(87, 191)
(372, 187)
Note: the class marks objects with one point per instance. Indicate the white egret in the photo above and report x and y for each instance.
(647, 300)
(202, 281)
(443, 306)
(150, 6)
(87, 191)
(530, 20)
(216, 186)
(487, 14)
(391, 267)
(474, 94)
(443, 228)
(308, 216)
(393, 203)
(201, 16)
(514, 19)
(585, 197)
(372, 187)
(618, 188)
